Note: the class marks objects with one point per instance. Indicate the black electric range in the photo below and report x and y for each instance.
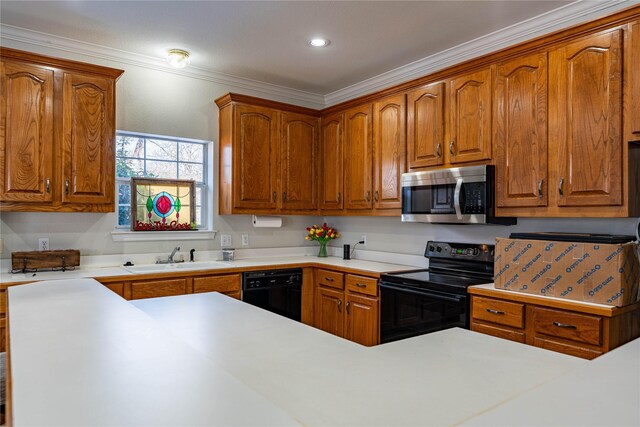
(418, 302)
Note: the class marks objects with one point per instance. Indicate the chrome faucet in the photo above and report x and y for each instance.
(173, 252)
(169, 259)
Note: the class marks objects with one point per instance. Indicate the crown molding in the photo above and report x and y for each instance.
(10, 35)
(571, 14)
(574, 13)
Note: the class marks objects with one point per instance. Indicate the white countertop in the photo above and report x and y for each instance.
(82, 356)
(603, 392)
(442, 378)
(96, 272)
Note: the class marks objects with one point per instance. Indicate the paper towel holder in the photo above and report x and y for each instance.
(266, 221)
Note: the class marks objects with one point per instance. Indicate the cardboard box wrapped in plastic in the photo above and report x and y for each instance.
(598, 273)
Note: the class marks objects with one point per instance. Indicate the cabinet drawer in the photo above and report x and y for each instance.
(329, 278)
(571, 326)
(509, 334)
(585, 353)
(158, 288)
(361, 284)
(226, 284)
(498, 311)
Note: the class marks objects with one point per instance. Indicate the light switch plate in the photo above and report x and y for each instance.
(225, 240)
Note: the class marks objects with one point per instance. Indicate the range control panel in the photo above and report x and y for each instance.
(467, 251)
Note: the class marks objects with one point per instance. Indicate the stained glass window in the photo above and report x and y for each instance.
(162, 204)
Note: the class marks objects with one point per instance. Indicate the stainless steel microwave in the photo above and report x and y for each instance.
(453, 195)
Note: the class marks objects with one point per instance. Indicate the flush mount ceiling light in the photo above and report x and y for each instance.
(178, 58)
(319, 42)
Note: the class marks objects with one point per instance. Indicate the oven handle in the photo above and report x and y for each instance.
(456, 199)
(452, 298)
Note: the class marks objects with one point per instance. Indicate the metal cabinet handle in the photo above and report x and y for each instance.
(560, 187)
(284, 196)
(375, 195)
(498, 312)
(347, 307)
(438, 151)
(361, 285)
(340, 306)
(66, 186)
(540, 188)
(328, 279)
(451, 144)
(275, 196)
(564, 325)
(338, 197)
(368, 196)
(47, 185)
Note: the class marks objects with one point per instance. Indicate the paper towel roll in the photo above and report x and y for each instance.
(266, 221)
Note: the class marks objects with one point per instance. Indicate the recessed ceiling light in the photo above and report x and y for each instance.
(319, 42)
(178, 58)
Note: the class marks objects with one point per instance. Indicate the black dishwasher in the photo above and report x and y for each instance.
(277, 291)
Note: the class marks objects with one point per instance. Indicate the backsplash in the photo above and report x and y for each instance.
(91, 232)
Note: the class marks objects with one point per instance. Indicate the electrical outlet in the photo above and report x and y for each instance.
(245, 240)
(225, 240)
(1, 246)
(363, 239)
(43, 244)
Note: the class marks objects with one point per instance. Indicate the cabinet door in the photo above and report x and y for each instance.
(332, 160)
(389, 142)
(633, 92)
(362, 319)
(358, 157)
(299, 161)
(88, 134)
(588, 74)
(26, 132)
(470, 113)
(520, 126)
(425, 126)
(255, 164)
(329, 308)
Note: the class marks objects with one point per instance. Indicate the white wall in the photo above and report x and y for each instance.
(158, 102)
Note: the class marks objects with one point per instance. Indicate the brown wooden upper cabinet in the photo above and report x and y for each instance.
(58, 138)
(268, 157)
(88, 129)
(389, 151)
(425, 126)
(586, 120)
(520, 131)
(632, 70)
(332, 156)
(470, 98)
(358, 157)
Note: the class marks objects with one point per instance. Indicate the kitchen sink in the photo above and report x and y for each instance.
(178, 266)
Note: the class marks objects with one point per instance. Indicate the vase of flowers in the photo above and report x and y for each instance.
(322, 235)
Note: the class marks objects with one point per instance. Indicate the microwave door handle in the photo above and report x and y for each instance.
(456, 199)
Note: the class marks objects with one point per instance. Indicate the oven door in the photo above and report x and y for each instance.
(405, 313)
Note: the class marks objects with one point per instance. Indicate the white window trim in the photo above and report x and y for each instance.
(124, 234)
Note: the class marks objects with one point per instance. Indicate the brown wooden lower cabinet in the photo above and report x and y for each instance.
(117, 287)
(347, 306)
(158, 288)
(568, 327)
(228, 284)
